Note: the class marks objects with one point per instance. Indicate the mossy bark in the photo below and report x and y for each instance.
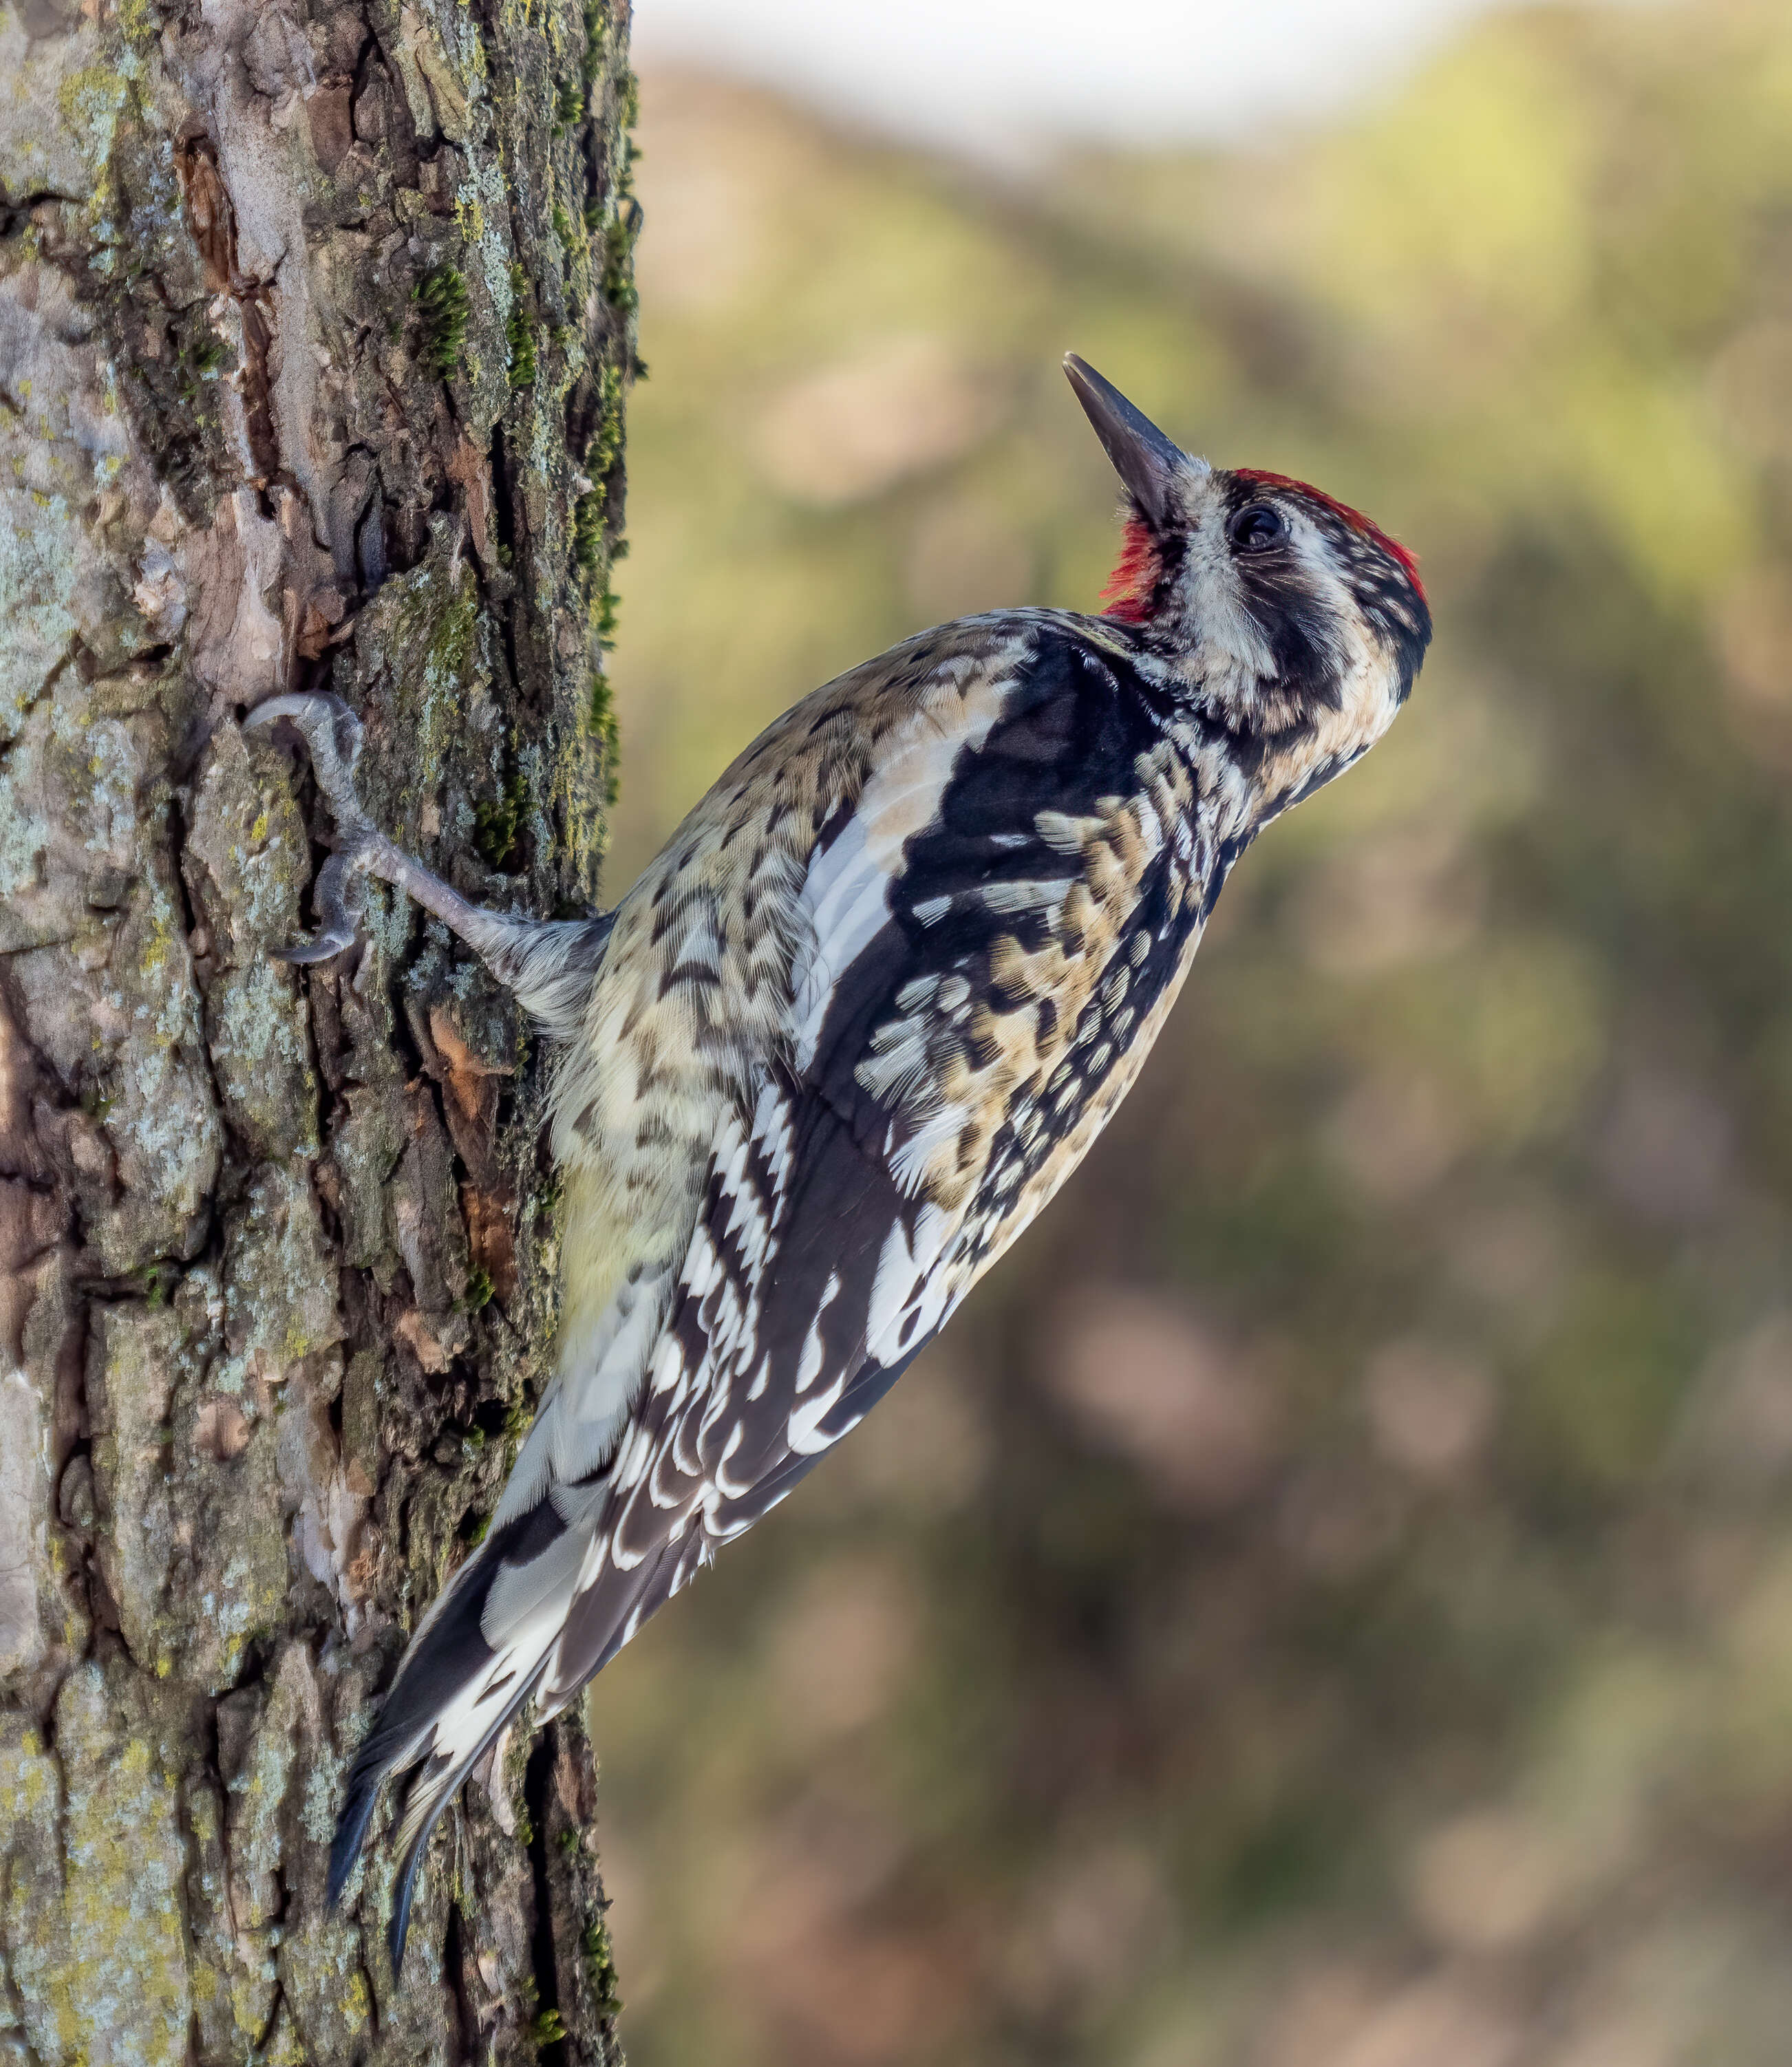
(314, 328)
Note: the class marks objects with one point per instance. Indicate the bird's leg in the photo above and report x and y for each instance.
(548, 963)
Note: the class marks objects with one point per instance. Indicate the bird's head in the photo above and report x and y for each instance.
(1282, 614)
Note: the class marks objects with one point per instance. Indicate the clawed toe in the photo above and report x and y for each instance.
(332, 736)
(337, 911)
(511, 947)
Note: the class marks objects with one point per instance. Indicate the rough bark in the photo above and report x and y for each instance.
(315, 326)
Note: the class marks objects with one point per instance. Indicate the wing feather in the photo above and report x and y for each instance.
(964, 959)
(840, 1225)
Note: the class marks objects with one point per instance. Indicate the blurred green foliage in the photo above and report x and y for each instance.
(1329, 1597)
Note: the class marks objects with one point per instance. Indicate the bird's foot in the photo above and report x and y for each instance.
(332, 737)
(548, 963)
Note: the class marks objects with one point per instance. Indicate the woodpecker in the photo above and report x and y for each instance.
(851, 1030)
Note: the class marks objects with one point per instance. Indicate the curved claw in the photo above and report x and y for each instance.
(332, 736)
(337, 914)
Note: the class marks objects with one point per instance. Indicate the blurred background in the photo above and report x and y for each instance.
(1328, 1601)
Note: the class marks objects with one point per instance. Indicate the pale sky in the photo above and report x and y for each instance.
(995, 78)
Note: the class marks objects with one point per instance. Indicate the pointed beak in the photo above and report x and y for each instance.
(1143, 458)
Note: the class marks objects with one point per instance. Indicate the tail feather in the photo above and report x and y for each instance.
(433, 1791)
(363, 1798)
(474, 1660)
(514, 1619)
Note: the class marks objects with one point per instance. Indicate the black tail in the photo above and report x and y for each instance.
(432, 1787)
(454, 1691)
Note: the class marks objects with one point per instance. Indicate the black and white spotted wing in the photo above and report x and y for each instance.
(987, 925)
(848, 1213)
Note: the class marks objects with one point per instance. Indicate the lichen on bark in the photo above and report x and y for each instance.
(314, 330)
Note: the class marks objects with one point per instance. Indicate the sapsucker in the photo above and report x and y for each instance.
(853, 1029)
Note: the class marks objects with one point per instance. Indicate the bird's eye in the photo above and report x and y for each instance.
(1257, 527)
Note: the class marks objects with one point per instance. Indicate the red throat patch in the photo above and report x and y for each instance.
(1354, 517)
(1129, 593)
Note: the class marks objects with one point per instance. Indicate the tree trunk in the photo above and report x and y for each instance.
(315, 325)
